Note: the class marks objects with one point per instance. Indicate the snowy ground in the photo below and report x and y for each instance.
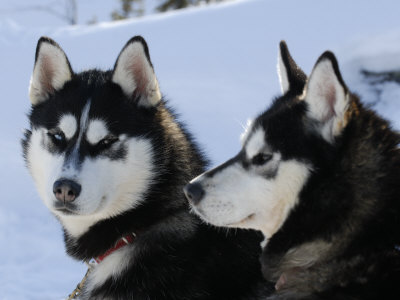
(34, 12)
(216, 64)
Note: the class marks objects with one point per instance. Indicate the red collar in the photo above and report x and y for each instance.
(126, 240)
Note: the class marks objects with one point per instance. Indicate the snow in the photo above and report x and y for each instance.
(32, 12)
(376, 53)
(217, 66)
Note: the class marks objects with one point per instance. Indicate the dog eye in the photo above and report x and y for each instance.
(261, 159)
(107, 142)
(57, 136)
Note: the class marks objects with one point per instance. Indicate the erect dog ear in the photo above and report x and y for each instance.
(51, 71)
(134, 72)
(291, 77)
(327, 97)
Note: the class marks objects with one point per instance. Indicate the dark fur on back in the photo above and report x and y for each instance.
(342, 239)
(175, 256)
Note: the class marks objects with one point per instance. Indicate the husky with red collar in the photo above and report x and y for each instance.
(319, 175)
(109, 160)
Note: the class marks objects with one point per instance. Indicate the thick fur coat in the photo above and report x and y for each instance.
(319, 174)
(109, 159)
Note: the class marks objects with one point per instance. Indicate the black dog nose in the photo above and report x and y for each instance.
(194, 192)
(66, 190)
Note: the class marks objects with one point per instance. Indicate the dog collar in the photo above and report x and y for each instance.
(126, 240)
(122, 242)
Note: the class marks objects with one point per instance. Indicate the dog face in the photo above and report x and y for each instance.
(260, 186)
(256, 189)
(89, 148)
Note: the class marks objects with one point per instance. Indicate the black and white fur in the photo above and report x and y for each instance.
(319, 175)
(109, 158)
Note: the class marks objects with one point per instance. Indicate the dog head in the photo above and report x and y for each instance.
(89, 150)
(259, 187)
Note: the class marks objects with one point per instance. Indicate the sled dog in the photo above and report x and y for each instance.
(109, 160)
(318, 174)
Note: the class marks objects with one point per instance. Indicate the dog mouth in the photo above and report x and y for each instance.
(199, 212)
(242, 221)
(66, 209)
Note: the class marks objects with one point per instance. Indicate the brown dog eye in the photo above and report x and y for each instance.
(261, 159)
(107, 142)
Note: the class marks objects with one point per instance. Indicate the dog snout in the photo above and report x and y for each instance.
(194, 192)
(66, 190)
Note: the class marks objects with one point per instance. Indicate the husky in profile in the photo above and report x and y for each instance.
(109, 160)
(319, 175)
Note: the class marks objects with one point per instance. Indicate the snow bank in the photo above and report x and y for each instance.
(380, 53)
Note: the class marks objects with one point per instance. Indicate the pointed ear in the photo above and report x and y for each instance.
(134, 72)
(291, 77)
(51, 71)
(327, 97)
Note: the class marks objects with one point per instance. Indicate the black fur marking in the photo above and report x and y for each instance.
(266, 171)
(349, 208)
(240, 158)
(175, 255)
(341, 240)
(119, 153)
(25, 143)
(296, 76)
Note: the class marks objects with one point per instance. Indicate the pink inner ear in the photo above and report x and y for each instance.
(138, 72)
(46, 74)
(330, 98)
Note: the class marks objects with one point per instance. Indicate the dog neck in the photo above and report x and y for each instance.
(122, 242)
